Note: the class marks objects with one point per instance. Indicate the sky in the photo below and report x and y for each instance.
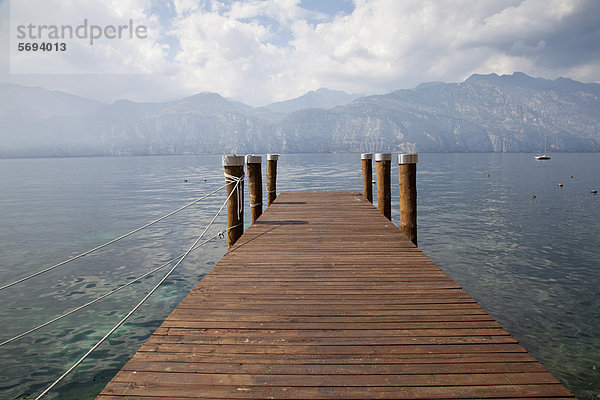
(261, 51)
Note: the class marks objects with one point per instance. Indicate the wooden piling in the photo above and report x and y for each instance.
(234, 173)
(271, 177)
(407, 180)
(367, 175)
(384, 194)
(253, 165)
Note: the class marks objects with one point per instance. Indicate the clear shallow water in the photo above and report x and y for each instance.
(531, 262)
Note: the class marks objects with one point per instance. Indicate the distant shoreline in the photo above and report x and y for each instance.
(283, 153)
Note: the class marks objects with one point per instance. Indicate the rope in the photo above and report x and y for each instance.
(107, 294)
(240, 200)
(255, 205)
(110, 242)
(134, 309)
(230, 228)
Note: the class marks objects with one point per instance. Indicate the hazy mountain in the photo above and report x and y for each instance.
(509, 113)
(485, 113)
(19, 101)
(320, 98)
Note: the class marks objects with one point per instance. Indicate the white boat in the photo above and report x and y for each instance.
(543, 156)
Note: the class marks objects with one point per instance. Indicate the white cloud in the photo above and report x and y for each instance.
(98, 36)
(222, 54)
(260, 51)
(185, 6)
(387, 44)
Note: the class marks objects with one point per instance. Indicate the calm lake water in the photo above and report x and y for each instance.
(531, 262)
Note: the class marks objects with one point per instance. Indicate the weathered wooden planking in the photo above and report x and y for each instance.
(324, 298)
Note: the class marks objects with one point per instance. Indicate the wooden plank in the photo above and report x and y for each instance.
(177, 390)
(324, 298)
(302, 380)
(363, 359)
(331, 369)
(416, 331)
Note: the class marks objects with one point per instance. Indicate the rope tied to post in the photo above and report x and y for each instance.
(220, 235)
(85, 253)
(234, 179)
(139, 304)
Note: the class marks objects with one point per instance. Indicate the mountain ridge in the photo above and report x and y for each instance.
(19, 100)
(320, 98)
(484, 113)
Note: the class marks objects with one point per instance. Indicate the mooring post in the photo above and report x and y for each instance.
(271, 177)
(234, 177)
(384, 193)
(253, 164)
(407, 180)
(367, 175)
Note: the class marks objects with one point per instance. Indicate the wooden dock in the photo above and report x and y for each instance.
(324, 298)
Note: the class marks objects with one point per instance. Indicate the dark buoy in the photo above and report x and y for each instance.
(560, 185)
(533, 196)
(185, 180)
(593, 191)
(571, 176)
(488, 175)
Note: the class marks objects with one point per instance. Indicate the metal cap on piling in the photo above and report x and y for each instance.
(232, 161)
(273, 157)
(384, 190)
(407, 181)
(383, 157)
(408, 159)
(234, 177)
(366, 156)
(252, 159)
(254, 185)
